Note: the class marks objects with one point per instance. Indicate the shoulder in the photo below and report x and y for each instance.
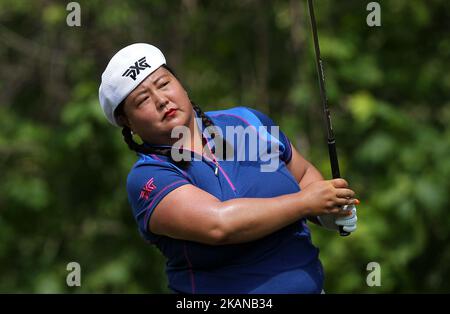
(149, 166)
(240, 115)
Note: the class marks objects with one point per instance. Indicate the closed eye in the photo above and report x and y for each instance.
(164, 84)
(142, 101)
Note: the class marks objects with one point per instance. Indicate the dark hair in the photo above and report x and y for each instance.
(144, 149)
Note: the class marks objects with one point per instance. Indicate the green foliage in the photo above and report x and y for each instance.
(63, 168)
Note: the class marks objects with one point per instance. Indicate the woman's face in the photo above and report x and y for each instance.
(146, 108)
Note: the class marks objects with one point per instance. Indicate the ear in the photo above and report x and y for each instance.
(123, 120)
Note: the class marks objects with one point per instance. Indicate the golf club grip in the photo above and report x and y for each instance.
(333, 159)
(336, 173)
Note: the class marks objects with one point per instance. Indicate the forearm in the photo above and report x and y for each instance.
(311, 175)
(247, 219)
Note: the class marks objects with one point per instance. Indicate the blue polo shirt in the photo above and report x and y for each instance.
(283, 262)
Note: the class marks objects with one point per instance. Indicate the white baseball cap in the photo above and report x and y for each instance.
(126, 70)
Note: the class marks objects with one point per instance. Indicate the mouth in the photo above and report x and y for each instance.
(170, 113)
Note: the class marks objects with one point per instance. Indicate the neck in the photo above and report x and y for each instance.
(194, 141)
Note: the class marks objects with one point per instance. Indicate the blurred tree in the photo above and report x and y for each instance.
(63, 168)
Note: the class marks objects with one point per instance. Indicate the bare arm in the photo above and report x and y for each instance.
(193, 214)
(304, 172)
(190, 213)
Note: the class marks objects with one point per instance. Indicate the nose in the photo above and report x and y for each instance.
(160, 100)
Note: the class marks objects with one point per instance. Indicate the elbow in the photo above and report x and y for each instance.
(219, 233)
(217, 237)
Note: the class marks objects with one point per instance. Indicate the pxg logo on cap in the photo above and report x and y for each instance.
(135, 69)
(124, 72)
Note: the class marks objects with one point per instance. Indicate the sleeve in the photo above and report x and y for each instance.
(147, 185)
(286, 155)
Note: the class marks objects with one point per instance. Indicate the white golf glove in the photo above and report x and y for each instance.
(348, 223)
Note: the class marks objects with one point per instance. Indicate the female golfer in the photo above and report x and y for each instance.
(229, 218)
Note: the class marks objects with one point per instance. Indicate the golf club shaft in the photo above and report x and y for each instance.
(330, 135)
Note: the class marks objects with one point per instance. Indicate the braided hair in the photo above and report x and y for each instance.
(144, 149)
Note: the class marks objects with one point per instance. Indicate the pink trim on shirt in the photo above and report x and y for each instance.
(156, 157)
(220, 168)
(159, 159)
(191, 272)
(243, 120)
(155, 198)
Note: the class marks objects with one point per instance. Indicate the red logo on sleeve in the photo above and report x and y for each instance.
(148, 187)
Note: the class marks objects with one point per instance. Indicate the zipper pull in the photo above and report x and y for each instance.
(216, 170)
